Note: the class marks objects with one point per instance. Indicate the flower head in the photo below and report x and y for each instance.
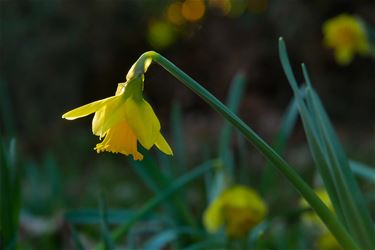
(347, 36)
(124, 119)
(238, 208)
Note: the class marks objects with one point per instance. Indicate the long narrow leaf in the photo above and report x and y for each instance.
(161, 240)
(287, 125)
(9, 196)
(236, 93)
(93, 216)
(351, 200)
(235, 96)
(106, 235)
(159, 198)
(76, 239)
(153, 176)
(315, 140)
(365, 171)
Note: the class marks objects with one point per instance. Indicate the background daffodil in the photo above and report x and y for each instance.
(124, 119)
(310, 217)
(325, 241)
(239, 208)
(347, 36)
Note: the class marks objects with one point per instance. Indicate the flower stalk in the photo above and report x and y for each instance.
(329, 219)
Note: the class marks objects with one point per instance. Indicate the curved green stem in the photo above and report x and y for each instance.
(295, 179)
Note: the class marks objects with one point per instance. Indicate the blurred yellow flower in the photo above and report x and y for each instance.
(347, 36)
(122, 120)
(193, 10)
(239, 208)
(224, 5)
(173, 13)
(327, 242)
(311, 217)
(161, 34)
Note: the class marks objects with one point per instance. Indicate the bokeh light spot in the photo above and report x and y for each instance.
(174, 14)
(223, 5)
(238, 7)
(193, 10)
(258, 6)
(161, 34)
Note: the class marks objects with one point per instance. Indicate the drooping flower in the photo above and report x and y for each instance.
(347, 36)
(124, 119)
(238, 208)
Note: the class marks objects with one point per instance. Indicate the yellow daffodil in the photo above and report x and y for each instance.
(124, 119)
(238, 208)
(347, 36)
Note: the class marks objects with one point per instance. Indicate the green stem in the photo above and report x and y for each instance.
(323, 212)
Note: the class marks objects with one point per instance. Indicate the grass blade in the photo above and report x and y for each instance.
(153, 176)
(236, 93)
(287, 125)
(106, 235)
(162, 239)
(317, 147)
(76, 240)
(174, 187)
(9, 196)
(93, 216)
(310, 129)
(149, 173)
(225, 152)
(351, 200)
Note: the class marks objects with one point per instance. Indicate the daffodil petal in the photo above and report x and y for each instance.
(86, 110)
(163, 145)
(109, 115)
(142, 120)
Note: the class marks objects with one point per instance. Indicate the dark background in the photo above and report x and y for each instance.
(57, 55)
